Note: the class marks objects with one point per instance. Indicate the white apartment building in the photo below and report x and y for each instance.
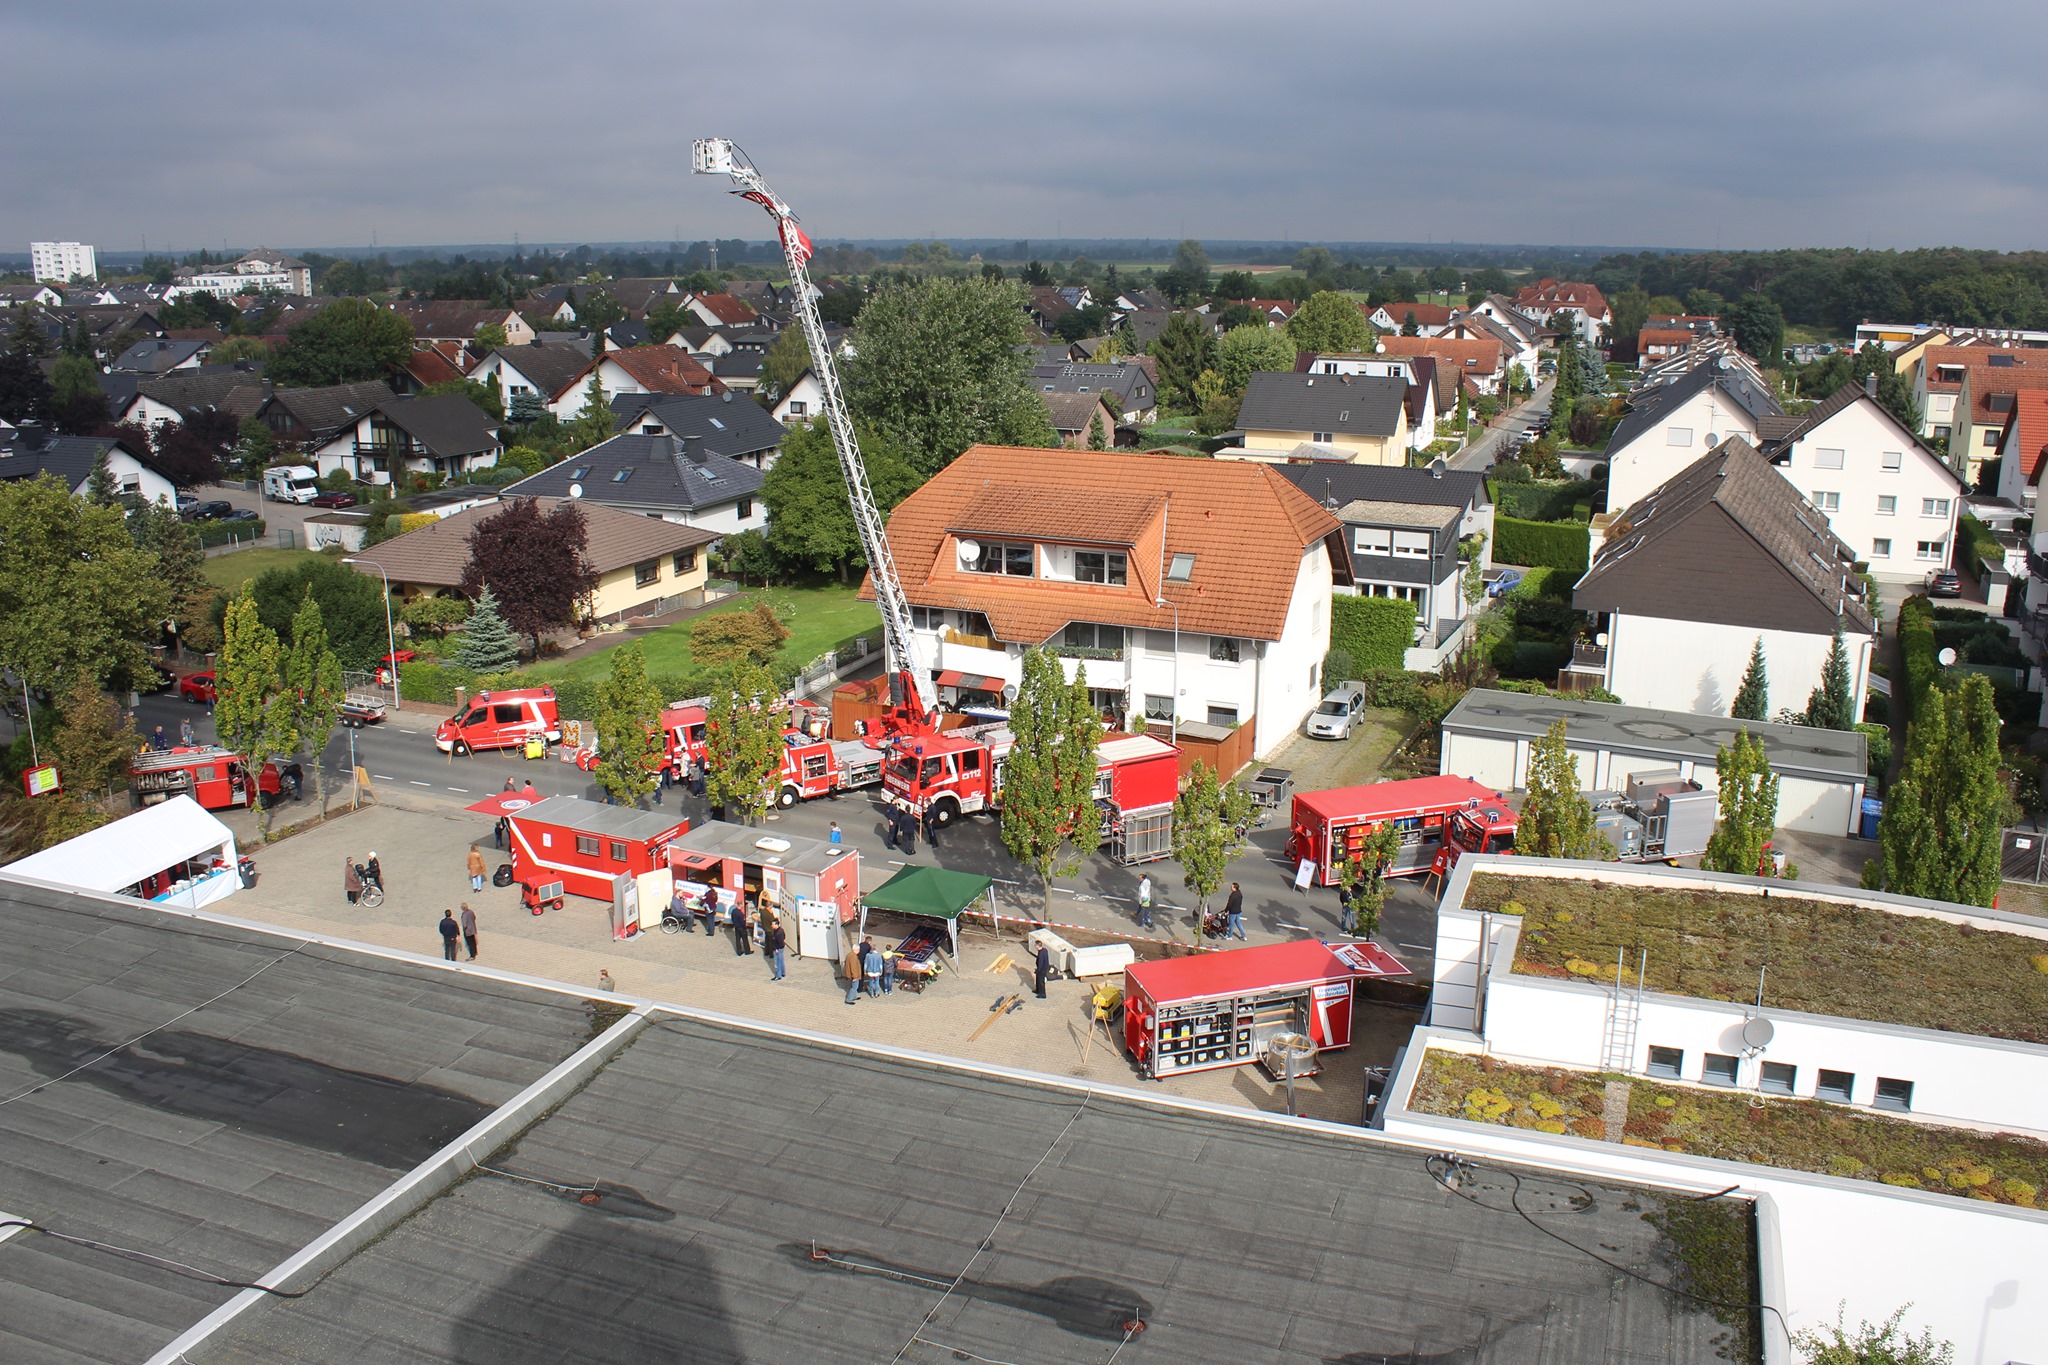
(260, 271)
(1892, 501)
(1674, 424)
(58, 261)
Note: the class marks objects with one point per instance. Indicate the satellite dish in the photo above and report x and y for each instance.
(1947, 657)
(970, 550)
(1009, 693)
(1713, 439)
(1757, 1032)
(575, 490)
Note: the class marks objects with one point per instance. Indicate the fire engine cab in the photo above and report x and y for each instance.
(501, 720)
(1329, 828)
(822, 767)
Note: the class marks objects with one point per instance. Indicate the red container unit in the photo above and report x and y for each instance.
(216, 778)
(1328, 827)
(584, 844)
(1220, 1009)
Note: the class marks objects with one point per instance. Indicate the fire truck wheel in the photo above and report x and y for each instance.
(461, 749)
(944, 814)
(786, 797)
(539, 907)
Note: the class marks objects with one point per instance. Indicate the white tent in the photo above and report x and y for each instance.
(116, 857)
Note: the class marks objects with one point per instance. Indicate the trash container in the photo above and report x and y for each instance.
(536, 747)
(1873, 812)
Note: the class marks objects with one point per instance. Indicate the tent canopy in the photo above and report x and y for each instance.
(931, 891)
(116, 856)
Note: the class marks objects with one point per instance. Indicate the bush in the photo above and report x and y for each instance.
(1878, 750)
(1537, 583)
(212, 533)
(1375, 631)
(1532, 501)
(1557, 545)
(1978, 545)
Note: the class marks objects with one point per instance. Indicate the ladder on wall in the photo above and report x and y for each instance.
(1624, 1014)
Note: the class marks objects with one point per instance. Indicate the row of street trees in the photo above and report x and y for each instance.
(276, 699)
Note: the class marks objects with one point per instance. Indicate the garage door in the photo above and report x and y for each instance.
(1479, 757)
(1815, 807)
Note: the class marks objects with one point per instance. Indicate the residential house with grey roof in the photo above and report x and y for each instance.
(160, 355)
(1693, 574)
(677, 479)
(1360, 419)
(735, 428)
(29, 451)
(1126, 384)
(313, 417)
(555, 375)
(1669, 426)
(443, 434)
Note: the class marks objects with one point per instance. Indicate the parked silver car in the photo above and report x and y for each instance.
(1337, 712)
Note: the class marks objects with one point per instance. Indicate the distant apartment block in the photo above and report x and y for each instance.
(261, 271)
(59, 261)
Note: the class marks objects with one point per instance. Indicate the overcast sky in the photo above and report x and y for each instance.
(1793, 122)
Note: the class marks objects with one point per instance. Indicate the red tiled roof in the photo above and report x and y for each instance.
(1983, 381)
(727, 309)
(1284, 307)
(666, 369)
(1464, 357)
(1246, 526)
(2026, 435)
(1426, 314)
(1660, 336)
(431, 367)
(1548, 293)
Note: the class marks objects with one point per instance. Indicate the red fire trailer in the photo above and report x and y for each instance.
(582, 844)
(1225, 1009)
(1329, 827)
(216, 778)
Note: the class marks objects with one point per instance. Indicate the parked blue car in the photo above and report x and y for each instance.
(1501, 586)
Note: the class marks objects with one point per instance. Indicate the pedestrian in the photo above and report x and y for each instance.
(373, 871)
(1233, 912)
(511, 785)
(1344, 899)
(850, 967)
(660, 783)
(871, 971)
(697, 779)
(1145, 900)
(529, 793)
(450, 931)
(604, 980)
(707, 912)
(157, 742)
(742, 932)
(1043, 970)
(679, 911)
(476, 868)
(907, 832)
(834, 836)
(469, 930)
(498, 834)
(777, 942)
(351, 881)
(888, 973)
(185, 732)
(931, 826)
(889, 828)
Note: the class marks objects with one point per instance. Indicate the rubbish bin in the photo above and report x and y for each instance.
(536, 747)
(1873, 812)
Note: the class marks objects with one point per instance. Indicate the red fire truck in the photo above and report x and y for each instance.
(216, 778)
(684, 723)
(1197, 1013)
(1330, 827)
(1488, 827)
(822, 767)
(959, 772)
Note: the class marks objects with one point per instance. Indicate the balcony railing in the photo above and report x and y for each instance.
(1087, 652)
(1589, 659)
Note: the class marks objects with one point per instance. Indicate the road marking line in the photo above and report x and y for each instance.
(463, 790)
(1419, 947)
(384, 777)
(417, 783)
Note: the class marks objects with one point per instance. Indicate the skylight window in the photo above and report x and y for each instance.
(1181, 569)
(580, 471)
(622, 475)
(716, 423)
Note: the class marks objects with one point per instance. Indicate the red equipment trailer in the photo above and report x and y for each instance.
(1329, 827)
(1220, 1009)
(216, 778)
(959, 772)
(581, 844)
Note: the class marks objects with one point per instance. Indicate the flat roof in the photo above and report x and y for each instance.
(743, 843)
(1793, 750)
(1269, 966)
(233, 1135)
(1385, 798)
(762, 1197)
(1431, 515)
(600, 817)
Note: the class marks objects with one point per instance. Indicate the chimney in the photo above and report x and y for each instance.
(1870, 383)
(661, 448)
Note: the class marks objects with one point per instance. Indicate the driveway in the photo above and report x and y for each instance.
(1483, 452)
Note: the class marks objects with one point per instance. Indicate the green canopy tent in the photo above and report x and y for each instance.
(928, 893)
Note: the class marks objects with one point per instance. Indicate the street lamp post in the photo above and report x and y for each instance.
(390, 633)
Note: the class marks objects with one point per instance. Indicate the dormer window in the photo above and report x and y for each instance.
(1014, 561)
(1101, 566)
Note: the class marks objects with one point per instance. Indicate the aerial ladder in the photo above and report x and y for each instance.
(913, 704)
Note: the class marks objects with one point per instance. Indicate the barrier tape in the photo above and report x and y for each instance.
(1088, 929)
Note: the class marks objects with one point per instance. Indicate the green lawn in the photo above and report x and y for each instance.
(819, 619)
(1802, 334)
(230, 571)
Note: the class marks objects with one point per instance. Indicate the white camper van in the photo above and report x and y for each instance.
(291, 483)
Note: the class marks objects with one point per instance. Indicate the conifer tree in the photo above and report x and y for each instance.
(1942, 833)
(1831, 706)
(1753, 698)
(1749, 808)
(488, 644)
(1557, 819)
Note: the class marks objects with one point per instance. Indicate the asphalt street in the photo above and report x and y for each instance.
(1483, 452)
(404, 766)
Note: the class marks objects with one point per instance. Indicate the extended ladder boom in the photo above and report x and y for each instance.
(718, 156)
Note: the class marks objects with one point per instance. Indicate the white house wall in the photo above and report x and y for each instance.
(1290, 671)
(1862, 438)
(1696, 666)
(1659, 452)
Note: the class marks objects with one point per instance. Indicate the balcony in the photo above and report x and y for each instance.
(1587, 658)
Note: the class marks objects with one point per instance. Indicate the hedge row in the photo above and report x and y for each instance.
(575, 698)
(212, 533)
(1563, 545)
(1917, 649)
(1543, 501)
(1375, 631)
(1978, 545)
(1536, 583)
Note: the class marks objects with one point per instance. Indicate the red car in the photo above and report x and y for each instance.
(335, 500)
(384, 665)
(196, 686)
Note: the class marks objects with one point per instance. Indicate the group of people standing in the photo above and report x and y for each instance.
(774, 939)
(867, 968)
(899, 829)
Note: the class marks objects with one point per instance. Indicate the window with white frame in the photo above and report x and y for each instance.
(1093, 635)
(1828, 502)
(1223, 649)
(1678, 436)
(1016, 561)
(1827, 458)
(1881, 548)
(1100, 566)
(1894, 459)
(1322, 438)
(1372, 540)
(1411, 544)
(1934, 507)
(927, 618)
(1930, 549)
(797, 407)
(1990, 437)
(1887, 505)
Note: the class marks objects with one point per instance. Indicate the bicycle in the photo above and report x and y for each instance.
(372, 894)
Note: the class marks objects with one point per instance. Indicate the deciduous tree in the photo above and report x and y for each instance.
(312, 688)
(1753, 698)
(1050, 819)
(1210, 818)
(1365, 872)
(349, 341)
(598, 309)
(77, 402)
(248, 675)
(488, 644)
(1871, 1343)
(94, 741)
(938, 369)
(1749, 808)
(1330, 323)
(1556, 818)
(1242, 352)
(77, 596)
(742, 744)
(751, 636)
(810, 520)
(351, 606)
(629, 741)
(537, 565)
(1941, 834)
(785, 363)
(1758, 326)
